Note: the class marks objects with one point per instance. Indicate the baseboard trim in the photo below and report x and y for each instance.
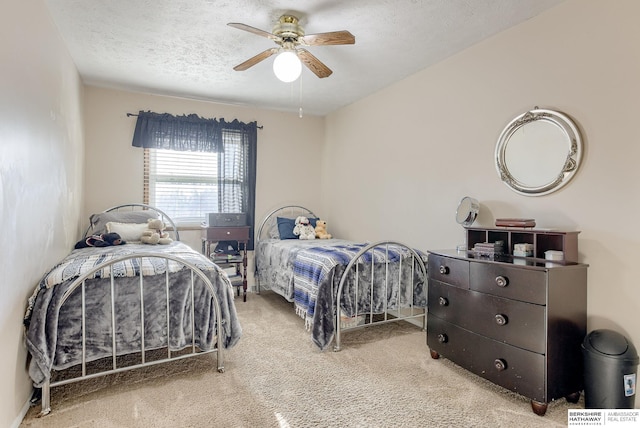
(23, 412)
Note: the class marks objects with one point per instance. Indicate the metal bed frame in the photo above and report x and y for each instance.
(191, 351)
(171, 227)
(416, 316)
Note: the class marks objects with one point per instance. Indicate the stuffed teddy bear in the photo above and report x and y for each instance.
(150, 237)
(321, 230)
(303, 228)
(155, 233)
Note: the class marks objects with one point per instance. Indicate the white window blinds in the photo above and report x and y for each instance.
(188, 184)
(183, 184)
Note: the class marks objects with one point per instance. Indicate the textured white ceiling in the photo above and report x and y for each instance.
(184, 47)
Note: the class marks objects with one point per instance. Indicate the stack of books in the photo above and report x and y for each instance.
(229, 262)
(234, 276)
(515, 222)
(488, 249)
(220, 258)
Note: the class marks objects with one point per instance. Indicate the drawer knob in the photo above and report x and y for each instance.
(502, 281)
(444, 270)
(442, 338)
(228, 233)
(501, 319)
(443, 301)
(500, 364)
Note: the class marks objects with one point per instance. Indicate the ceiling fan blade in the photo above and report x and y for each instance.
(314, 64)
(256, 59)
(253, 30)
(331, 38)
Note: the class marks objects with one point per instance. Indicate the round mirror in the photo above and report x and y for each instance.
(467, 211)
(538, 152)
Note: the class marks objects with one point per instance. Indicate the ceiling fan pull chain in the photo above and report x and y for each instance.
(300, 100)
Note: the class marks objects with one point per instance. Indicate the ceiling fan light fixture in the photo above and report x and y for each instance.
(287, 66)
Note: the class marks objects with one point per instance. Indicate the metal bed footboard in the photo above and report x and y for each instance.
(80, 282)
(408, 312)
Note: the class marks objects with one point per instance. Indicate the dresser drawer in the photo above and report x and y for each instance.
(510, 321)
(451, 271)
(505, 365)
(509, 281)
(225, 233)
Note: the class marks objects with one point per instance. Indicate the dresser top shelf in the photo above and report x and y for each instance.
(542, 240)
(523, 262)
(533, 230)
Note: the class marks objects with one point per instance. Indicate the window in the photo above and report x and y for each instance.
(194, 166)
(182, 184)
(188, 185)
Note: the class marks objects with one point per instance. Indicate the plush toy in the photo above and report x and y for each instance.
(321, 230)
(150, 237)
(103, 240)
(303, 228)
(155, 233)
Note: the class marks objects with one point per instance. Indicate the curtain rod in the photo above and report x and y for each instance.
(133, 114)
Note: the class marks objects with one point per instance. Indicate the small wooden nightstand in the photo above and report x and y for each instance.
(240, 234)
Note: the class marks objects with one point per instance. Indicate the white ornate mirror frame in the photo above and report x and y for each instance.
(538, 152)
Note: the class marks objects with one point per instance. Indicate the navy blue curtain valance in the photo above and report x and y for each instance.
(185, 133)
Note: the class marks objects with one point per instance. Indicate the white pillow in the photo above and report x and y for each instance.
(130, 232)
(99, 221)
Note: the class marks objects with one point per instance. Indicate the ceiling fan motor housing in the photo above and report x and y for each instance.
(288, 28)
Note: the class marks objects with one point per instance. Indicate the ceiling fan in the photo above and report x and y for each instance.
(289, 36)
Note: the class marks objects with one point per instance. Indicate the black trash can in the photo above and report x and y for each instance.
(610, 370)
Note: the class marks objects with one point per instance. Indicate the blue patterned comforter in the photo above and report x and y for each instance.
(317, 273)
(274, 261)
(310, 276)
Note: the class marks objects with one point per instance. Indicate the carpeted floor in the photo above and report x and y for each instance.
(276, 377)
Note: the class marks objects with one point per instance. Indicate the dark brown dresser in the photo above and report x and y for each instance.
(515, 321)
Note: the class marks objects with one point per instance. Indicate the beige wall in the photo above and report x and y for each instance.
(41, 164)
(435, 133)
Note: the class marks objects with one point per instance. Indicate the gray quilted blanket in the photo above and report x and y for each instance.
(54, 333)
